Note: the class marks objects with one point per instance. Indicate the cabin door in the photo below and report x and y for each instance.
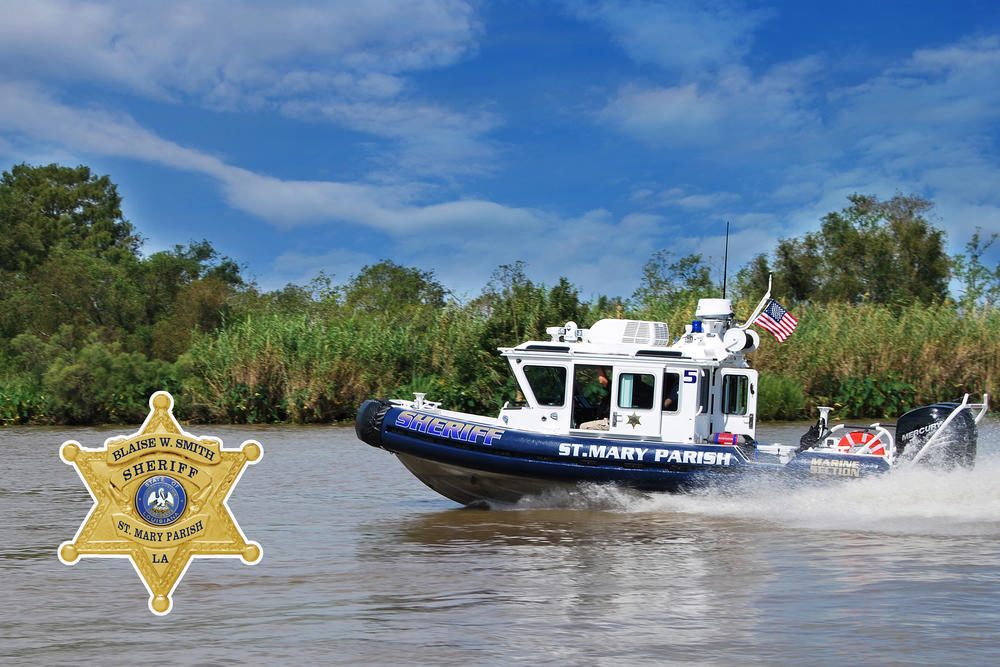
(680, 404)
(739, 401)
(636, 401)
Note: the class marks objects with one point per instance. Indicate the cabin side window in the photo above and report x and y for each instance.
(704, 385)
(548, 384)
(734, 394)
(635, 390)
(671, 386)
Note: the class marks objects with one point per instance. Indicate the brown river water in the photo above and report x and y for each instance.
(364, 565)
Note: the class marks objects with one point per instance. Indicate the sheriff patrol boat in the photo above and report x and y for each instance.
(619, 403)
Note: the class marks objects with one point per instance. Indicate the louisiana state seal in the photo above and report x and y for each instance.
(160, 500)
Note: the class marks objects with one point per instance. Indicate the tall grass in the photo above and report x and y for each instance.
(870, 361)
(270, 366)
(779, 397)
(273, 367)
(928, 353)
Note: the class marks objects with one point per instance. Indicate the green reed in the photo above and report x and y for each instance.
(278, 367)
(868, 361)
(877, 361)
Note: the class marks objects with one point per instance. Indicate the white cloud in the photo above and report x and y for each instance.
(346, 64)
(956, 83)
(432, 137)
(928, 125)
(386, 208)
(735, 112)
(710, 99)
(686, 36)
(474, 235)
(29, 111)
(925, 125)
(940, 107)
(598, 250)
(300, 268)
(685, 198)
(233, 52)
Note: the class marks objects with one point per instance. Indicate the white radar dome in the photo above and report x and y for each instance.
(714, 309)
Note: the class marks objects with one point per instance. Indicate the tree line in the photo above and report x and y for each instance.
(90, 326)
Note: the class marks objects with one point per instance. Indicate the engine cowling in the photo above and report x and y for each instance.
(954, 447)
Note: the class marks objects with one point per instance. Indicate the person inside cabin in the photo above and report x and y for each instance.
(671, 385)
(642, 392)
(591, 398)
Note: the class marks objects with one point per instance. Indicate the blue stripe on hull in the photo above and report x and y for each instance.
(644, 465)
(469, 461)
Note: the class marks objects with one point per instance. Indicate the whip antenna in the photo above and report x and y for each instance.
(725, 262)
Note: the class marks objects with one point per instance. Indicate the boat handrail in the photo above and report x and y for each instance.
(864, 427)
(982, 407)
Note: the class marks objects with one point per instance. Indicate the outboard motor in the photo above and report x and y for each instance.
(955, 446)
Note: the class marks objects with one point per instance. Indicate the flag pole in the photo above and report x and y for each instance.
(760, 306)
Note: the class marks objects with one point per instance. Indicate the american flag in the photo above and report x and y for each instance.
(777, 320)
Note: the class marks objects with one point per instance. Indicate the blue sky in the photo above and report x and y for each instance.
(579, 137)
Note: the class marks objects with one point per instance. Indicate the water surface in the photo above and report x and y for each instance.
(363, 564)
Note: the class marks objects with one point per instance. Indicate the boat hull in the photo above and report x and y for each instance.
(469, 486)
(469, 461)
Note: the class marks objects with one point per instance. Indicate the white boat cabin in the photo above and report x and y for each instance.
(625, 379)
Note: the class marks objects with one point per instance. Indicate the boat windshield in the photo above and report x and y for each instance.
(548, 384)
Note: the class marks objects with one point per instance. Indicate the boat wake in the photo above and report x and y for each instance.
(908, 501)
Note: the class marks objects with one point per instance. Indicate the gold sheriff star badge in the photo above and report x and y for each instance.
(160, 500)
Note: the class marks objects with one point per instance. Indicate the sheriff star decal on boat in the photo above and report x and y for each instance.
(160, 500)
(633, 420)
